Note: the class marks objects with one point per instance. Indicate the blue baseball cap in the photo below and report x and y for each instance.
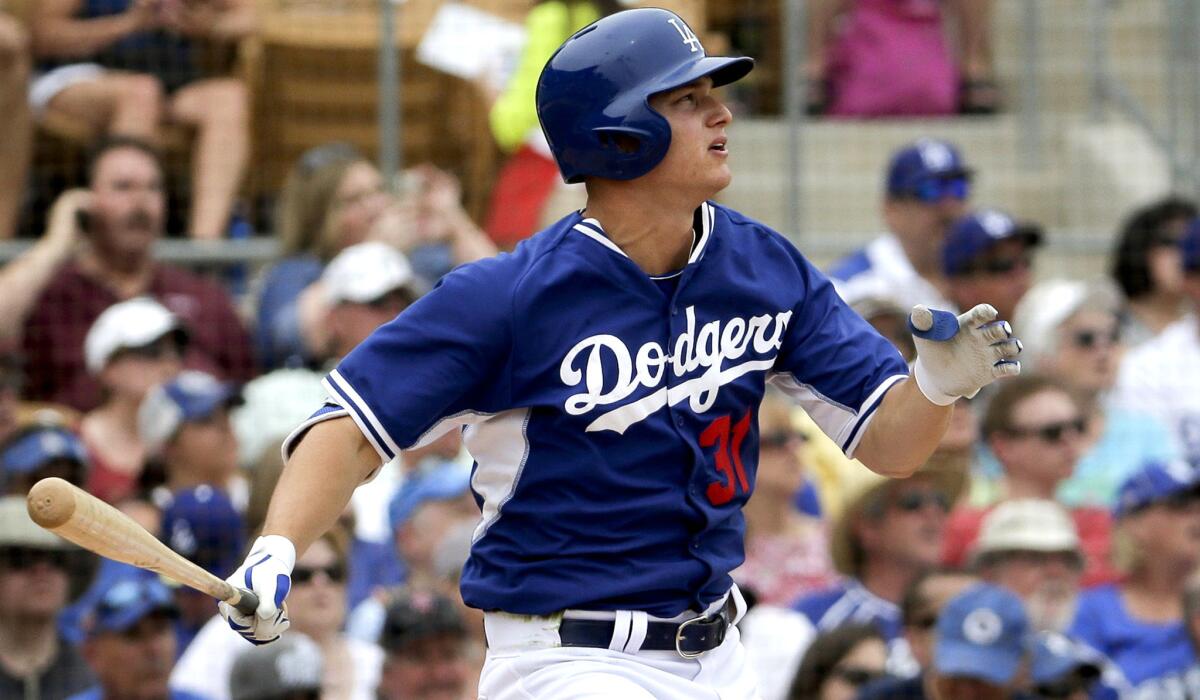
(128, 601)
(1155, 482)
(190, 396)
(925, 161)
(978, 232)
(1054, 656)
(32, 449)
(981, 634)
(201, 524)
(442, 482)
(1189, 245)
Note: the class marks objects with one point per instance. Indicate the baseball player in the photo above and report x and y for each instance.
(606, 376)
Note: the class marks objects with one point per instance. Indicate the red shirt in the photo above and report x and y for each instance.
(60, 319)
(1094, 526)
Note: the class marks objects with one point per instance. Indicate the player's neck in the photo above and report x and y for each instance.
(656, 235)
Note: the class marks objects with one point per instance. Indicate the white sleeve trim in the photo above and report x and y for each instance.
(343, 394)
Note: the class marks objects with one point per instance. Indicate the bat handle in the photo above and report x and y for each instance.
(246, 602)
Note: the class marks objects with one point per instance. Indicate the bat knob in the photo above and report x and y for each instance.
(51, 502)
(247, 602)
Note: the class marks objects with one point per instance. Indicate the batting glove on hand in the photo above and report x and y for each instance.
(958, 356)
(267, 572)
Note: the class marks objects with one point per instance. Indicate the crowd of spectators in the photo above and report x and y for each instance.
(1048, 549)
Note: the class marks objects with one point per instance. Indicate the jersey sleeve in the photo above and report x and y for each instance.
(832, 362)
(441, 363)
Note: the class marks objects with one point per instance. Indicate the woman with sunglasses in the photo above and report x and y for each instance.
(1072, 331)
(1146, 266)
(1139, 623)
(840, 662)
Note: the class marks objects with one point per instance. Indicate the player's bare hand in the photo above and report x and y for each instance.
(63, 224)
(959, 355)
(267, 572)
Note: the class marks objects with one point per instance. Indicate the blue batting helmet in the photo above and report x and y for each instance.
(597, 85)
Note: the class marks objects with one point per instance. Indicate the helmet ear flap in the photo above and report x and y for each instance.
(621, 139)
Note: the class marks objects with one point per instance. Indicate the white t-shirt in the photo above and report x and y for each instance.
(1161, 377)
(204, 668)
(881, 270)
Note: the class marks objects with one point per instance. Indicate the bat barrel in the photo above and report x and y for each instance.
(51, 502)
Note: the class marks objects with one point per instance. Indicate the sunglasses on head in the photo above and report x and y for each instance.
(336, 573)
(915, 501)
(1052, 432)
(855, 676)
(1090, 338)
(935, 189)
(779, 439)
(24, 558)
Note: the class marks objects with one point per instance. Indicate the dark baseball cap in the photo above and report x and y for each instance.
(921, 162)
(978, 232)
(201, 524)
(415, 615)
(130, 600)
(1189, 246)
(290, 666)
(1155, 482)
(29, 450)
(981, 634)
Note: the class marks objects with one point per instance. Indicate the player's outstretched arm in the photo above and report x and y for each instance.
(331, 460)
(956, 357)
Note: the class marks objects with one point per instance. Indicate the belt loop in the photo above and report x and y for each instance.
(637, 632)
(739, 604)
(620, 633)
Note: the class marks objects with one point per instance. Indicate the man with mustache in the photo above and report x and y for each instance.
(97, 251)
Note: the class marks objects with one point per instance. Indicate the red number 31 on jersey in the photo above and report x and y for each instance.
(729, 457)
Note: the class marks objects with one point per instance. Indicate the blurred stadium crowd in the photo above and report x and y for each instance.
(1048, 550)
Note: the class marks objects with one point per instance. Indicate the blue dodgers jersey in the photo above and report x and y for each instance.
(612, 419)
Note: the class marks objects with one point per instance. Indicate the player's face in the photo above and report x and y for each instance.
(1089, 350)
(697, 160)
(433, 668)
(128, 203)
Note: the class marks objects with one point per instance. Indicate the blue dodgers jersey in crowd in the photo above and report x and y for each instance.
(1157, 659)
(612, 418)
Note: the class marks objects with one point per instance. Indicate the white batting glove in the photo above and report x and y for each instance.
(267, 572)
(959, 355)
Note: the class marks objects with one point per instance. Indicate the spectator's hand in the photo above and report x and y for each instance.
(957, 356)
(268, 572)
(62, 226)
(397, 225)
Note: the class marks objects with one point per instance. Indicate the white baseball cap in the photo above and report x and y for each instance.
(130, 324)
(365, 272)
(1049, 304)
(1026, 525)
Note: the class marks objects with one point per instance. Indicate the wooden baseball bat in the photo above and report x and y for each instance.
(76, 515)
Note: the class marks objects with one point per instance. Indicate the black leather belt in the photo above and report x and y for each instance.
(689, 638)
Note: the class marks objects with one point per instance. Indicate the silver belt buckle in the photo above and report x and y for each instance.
(679, 638)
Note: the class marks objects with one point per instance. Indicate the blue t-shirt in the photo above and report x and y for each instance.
(1155, 658)
(849, 602)
(97, 693)
(614, 427)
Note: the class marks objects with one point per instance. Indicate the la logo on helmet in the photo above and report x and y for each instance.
(686, 33)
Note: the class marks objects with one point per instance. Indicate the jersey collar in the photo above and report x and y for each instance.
(592, 229)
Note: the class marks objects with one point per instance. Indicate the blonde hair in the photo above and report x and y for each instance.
(302, 213)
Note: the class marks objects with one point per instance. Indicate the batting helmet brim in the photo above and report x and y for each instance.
(722, 69)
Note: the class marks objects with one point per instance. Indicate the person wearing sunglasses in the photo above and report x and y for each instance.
(988, 258)
(926, 189)
(132, 347)
(839, 663)
(1072, 331)
(316, 609)
(1139, 622)
(1161, 377)
(1034, 427)
(1146, 266)
(887, 534)
(35, 661)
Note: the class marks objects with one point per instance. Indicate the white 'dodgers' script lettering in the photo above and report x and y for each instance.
(710, 347)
